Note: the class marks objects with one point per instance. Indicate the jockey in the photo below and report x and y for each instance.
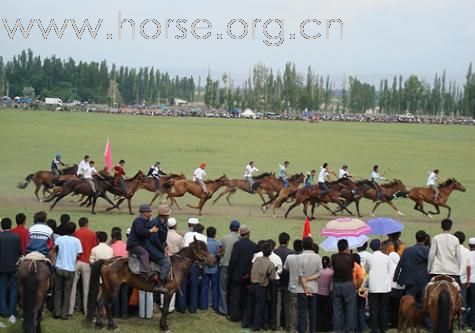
(283, 173)
(375, 176)
(155, 172)
(344, 173)
(250, 169)
(56, 164)
(156, 244)
(119, 174)
(140, 231)
(87, 174)
(82, 166)
(310, 179)
(199, 176)
(433, 181)
(322, 178)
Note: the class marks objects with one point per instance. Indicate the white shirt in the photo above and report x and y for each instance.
(101, 252)
(189, 238)
(465, 258)
(378, 267)
(81, 167)
(472, 266)
(155, 171)
(431, 179)
(444, 255)
(375, 176)
(199, 174)
(250, 170)
(363, 256)
(291, 265)
(342, 173)
(321, 176)
(88, 172)
(275, 260)
(394, 260)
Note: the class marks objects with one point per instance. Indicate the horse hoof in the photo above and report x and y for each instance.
(372, 214)
(274, 216)
(400, 213)
(429, 216)
(93, 213)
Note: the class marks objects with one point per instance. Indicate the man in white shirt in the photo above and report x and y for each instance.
(375, 176)
(444, 253)
(199, 176)
(291, 265)
(378, 268)
(433, 183)
(250, 169)
(471, 281)
(102, 251)
(322, 178)
(88, 172)
(344, 173)
(82, 166)
(465, 262)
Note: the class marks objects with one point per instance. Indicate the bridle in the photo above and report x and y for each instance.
(197, 255)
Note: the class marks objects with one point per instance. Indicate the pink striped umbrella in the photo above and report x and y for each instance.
(345, 227)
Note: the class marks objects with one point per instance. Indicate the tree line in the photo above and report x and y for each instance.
(264, 90)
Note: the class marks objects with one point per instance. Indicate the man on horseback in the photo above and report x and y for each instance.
(155, 172)
(375, 176)
(88, 172)
(433, 182)
(250, 169)
(323, 176)
(119, 174)
(344, 173)
(310, 179)
(283, 173)
(156, 244)
(82, 166)
(139, 232)
(56, 164)
(199, 176)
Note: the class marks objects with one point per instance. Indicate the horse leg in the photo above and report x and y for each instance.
(59, 197)
(394, 207)
(106, 198)
(37, 189)
(111, 323)
(374, 208)
(357, 205)
(94, 199)
(328, 208)
(314, 204)
(166, 307)
(295, 204)
(228, 197)
(129, 203)
(420, 207)
(155, 196)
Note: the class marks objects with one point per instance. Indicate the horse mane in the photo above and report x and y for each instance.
(173, 175)
(391, 183)
(263, 175)
(216, 180)
(70, 168)
(185, 252)
(293, 177)
(448, 182)
(136, 175)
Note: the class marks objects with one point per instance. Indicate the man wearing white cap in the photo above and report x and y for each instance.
(192, 221)
(174, 239)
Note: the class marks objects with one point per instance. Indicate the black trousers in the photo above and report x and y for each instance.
(378, 309)
(394, 300)
(238, 300)
(255, 308)
(120, 304)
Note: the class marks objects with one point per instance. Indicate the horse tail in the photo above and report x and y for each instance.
(444, 305)
(94, 284)
(402, 194)
(168, 184)
(25, 183)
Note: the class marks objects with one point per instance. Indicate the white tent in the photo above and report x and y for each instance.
(248, 113)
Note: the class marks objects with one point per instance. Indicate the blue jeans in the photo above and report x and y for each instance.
(360, 314)
(8, 294)
(206, 280)
(323, 187)
(344, 305)
(307, 307)
(285, 181)
(254, 308)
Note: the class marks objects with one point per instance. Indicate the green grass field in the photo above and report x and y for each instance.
(29, 141)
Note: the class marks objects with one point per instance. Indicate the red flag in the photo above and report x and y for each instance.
(306, 228)
(108, 155)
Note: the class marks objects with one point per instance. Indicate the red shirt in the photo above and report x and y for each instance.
(24, 234)
(119, 171)
(88, 241)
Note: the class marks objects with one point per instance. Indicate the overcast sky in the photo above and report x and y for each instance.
(380, 38)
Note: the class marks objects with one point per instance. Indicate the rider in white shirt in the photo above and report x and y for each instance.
(82, 166)
(322, 177)
(199, 176)
(250, 169)
(375, 176)
(88, 172)
(433, 182)
(344, 173)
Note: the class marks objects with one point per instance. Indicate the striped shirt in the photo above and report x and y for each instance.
(40, 238)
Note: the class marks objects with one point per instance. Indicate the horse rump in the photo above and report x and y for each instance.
(22, 185)
(444, 320)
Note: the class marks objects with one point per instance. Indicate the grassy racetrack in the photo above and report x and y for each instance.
(30, 140)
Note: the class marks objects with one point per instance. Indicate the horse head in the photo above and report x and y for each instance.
(458, 186)
(400, 185)
(200, 252)
(140, 176)
(223, 180)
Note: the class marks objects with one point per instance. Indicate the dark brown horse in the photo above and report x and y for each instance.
(421, 194)
(164, 187)
(409, 315)
(270, 185)
(46, 179)
(243, 184)
(33, 279)
(389, 191)
(182, 186)
(277, 186)
(285, 192)
(132, 185)
(114, 272)
(442, 303)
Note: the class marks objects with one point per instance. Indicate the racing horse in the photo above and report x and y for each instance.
(389, 191)
(243, 184)
(442, 302)
(114, 272)
(294, 181)
(182, 186)
(421, 194)
(164, 186)
(46, 179)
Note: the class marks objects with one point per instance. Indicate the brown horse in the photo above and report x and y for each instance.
(131, 185)
(286, 192)
(243, 184)
(421, 194)
(277, 185)
(115, 272)
(33, 279)
(312, 195)
(389, 191)
(270, 185)
(183, 186)
(46, 179)
(443, 303)
(164, 187)
(409, 315)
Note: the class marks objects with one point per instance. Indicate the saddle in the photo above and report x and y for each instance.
(134, 264)
(34, 256)
(438, 281)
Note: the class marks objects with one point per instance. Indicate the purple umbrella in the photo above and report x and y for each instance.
(384, 226)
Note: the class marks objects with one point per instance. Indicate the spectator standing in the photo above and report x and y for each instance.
(101, 251)
(464, 259)
(68, 251)
(397, 291)
(174, 239)
(393, 244)
(323, 296)
(358, 279)
(63, 221)
(291, 265)
(88, 240)
(283, 252)
(10, 252)
(471, 282)
(21, 231)
(210, 274)
(363, 254)
(119, 249)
